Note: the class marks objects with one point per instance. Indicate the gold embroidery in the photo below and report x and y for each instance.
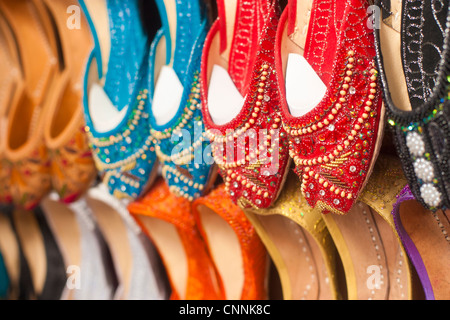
(334, 180)
(244, 203)
(255, 181)
(337, 162)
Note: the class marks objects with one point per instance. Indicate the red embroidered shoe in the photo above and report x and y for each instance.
(240, 101)
(335, 129)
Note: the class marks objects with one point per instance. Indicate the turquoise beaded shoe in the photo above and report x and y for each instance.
(176, 118)
(116, 99)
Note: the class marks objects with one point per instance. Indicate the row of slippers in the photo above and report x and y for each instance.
(210, 249)
(88, 250)
(334, 142)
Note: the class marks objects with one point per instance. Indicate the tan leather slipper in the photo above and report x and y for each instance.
(25, 151)
(374, 259)
(11, 88)
(72, 166)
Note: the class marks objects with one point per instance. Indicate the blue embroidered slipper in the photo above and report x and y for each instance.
(116, 98)
(176, 118)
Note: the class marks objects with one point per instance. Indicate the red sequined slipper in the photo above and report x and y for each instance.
(240, 101)
(335, 131)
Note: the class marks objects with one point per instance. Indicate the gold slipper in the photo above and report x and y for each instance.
(299, 244)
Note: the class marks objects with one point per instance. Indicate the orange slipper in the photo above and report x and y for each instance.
(168, 221)
(236, 249)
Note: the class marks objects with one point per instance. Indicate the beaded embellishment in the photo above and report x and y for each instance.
(424, 165)
(124, 156)
(422, 135)
(254, 179)
(333, 145)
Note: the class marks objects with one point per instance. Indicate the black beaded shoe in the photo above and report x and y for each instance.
(413, 55)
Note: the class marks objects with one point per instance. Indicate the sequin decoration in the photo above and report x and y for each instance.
(422, 168)
(180, 143)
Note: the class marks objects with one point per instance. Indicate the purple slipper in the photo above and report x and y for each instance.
(408, 244)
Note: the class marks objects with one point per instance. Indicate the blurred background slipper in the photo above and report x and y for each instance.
(137, 265)
(72, 166)
(25, 150)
